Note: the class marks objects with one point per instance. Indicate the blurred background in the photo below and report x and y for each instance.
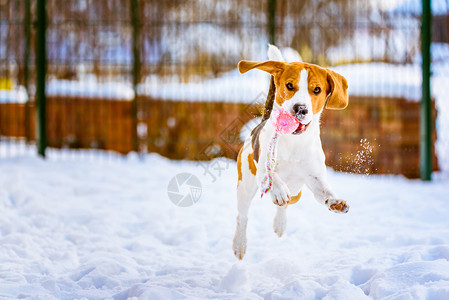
(160, 76)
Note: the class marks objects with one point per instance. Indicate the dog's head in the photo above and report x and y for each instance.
(303, 89)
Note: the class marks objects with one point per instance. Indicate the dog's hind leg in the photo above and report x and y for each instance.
(246, 190)
(244, 201)
(280, 220)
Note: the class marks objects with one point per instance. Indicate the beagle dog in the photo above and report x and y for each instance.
(304, 90)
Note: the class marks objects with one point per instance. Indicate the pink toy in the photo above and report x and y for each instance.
(283, 122)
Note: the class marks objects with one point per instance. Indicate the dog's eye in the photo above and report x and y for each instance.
(317, 90)
(289, 86)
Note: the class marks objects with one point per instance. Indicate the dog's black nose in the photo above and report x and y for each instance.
(300, 110)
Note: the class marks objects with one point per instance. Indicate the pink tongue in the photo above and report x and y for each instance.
(283, 122)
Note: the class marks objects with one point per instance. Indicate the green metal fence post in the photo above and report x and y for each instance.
(41, 65)
(271, 21)
(26, 66)
(426, 112)
(135, 20)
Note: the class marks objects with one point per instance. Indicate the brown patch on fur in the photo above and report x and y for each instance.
(239, 164)
(338, 98)
(294, 199)
(252, 165)
(340, 207)
(317, 78)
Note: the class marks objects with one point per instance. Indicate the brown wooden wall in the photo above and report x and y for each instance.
(388, 127)
(89, 123)
(375, 135)
(17, 120)
(195, 130)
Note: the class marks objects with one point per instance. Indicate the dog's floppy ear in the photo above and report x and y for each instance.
(338, 96)
(271, 66)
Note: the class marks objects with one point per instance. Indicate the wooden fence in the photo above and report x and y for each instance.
(373, 135)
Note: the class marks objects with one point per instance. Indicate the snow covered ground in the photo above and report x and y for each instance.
(102, 227)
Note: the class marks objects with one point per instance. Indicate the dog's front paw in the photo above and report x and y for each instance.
(337, 206)
(280, 194)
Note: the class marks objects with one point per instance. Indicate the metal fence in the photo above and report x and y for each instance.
(113, 71)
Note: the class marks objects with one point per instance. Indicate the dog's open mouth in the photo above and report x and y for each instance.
(301, 128)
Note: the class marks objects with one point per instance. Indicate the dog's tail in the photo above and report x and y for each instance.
(274, 53)
(288, 54)
(270, 100)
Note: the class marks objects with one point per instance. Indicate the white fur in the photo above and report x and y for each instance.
(291, 55)
(300, 161)
(274, 53)
(280, 220)
(286, 55)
